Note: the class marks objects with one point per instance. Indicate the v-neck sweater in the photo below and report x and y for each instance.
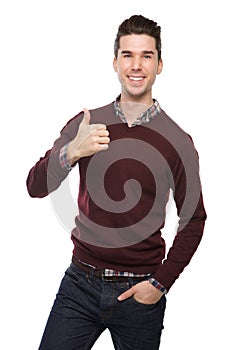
(123, 193)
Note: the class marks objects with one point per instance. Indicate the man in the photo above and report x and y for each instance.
(130, 155)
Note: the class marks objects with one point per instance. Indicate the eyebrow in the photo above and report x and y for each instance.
(145, 52)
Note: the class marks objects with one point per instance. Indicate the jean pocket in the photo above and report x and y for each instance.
(139, 303)
(148, 306)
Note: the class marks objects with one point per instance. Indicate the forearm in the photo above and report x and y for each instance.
(46, 175)
(183, 248)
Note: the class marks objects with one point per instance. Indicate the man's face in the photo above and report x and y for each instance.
(137, 66)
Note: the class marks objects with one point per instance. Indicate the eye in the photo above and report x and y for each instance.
(127, 55)
(147, 56)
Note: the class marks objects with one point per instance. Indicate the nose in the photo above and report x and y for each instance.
(136, 63)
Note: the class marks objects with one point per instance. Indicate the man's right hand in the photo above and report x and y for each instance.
(90, 139)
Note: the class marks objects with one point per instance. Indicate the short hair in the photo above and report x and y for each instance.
(138, 24)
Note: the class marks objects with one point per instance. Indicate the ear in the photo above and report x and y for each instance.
(115, 64)
(160, 66)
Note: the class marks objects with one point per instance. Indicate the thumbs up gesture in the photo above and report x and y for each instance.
(90, 139)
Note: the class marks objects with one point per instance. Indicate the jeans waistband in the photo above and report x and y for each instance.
(100, 273)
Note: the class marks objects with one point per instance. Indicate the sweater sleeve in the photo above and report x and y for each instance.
(48, 173)
(191, 212)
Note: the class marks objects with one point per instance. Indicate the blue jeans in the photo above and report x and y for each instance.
(86, 305)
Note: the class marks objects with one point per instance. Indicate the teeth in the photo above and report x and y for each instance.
(136, 78)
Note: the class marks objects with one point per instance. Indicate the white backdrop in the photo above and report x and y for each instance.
(56, 58)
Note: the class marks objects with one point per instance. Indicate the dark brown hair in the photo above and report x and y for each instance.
(138, 24)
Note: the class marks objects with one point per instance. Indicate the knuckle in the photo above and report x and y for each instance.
(92, 127)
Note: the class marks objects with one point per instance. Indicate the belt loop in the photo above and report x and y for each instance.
(102, 274)
(131, 282)
(92, 272)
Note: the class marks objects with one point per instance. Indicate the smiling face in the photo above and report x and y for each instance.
(137, 66)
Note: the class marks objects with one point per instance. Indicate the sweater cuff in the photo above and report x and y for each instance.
(63, 158)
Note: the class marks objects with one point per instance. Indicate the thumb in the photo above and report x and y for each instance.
(127, 294)
(87, 117)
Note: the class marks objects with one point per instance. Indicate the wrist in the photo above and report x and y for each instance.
(72, 154)
(65, 161)
(158, 285)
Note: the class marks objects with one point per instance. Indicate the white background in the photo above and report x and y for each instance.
(56, 58)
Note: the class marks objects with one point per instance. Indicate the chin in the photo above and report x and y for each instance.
(136, 94)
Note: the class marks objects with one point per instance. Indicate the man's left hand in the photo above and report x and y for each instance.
(143, 292)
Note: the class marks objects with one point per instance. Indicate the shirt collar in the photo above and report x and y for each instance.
(151, 113)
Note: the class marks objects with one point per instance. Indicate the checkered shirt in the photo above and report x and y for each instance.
(144, 118)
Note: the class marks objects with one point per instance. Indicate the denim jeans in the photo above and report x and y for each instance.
(86, 305)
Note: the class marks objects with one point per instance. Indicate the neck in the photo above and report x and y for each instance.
(144, 99)
(133, 107)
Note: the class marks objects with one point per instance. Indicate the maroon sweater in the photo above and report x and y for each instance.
(123, 193)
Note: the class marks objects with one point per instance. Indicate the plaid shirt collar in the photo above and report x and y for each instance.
(145, 118)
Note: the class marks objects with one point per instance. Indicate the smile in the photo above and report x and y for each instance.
(136, 79)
